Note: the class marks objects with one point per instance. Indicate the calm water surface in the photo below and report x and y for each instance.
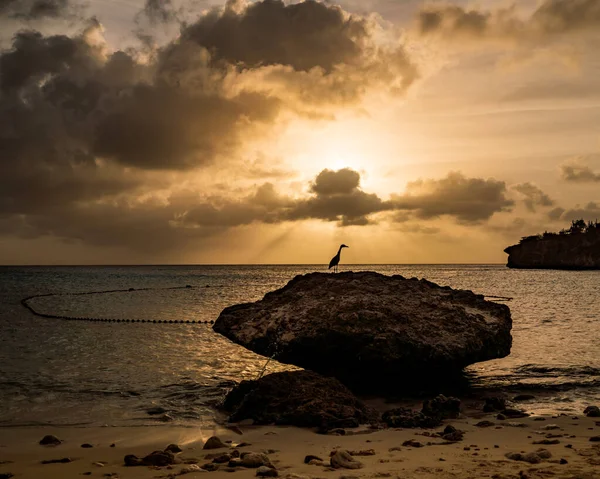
(79, 373)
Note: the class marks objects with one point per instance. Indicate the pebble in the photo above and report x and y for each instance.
(595, 439)
(343, 459)
(564, 461)
(190, 469)
(50, 440)
(547, 442)
(63, 460)
(210, 467)
(484, 424)
(592, 411)
(174, 448)
(412, 443)
(156, 411)
(264, 471)
(310, 457)
(86, 446)
(214, 443)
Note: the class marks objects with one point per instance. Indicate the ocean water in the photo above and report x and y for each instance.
(62, 373)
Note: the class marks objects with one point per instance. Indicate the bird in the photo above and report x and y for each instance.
(336, 259)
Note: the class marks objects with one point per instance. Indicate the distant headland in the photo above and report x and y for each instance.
(575, 248)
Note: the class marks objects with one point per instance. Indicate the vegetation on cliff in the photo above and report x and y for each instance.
(577, 247)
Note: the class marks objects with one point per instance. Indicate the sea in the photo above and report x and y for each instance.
(86, 374)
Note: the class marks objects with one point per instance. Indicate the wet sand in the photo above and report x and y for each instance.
(482, 452)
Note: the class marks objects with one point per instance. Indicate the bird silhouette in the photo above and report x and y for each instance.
(336, 259)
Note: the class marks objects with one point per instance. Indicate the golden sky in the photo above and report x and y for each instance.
(153, 131)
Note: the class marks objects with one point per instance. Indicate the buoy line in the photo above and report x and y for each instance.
(25, 303)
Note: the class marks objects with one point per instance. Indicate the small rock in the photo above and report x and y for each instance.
(86, 446)
(550, 427)
(264, 471)
(343, 459)
(547, 442)
(156, 411)
(64, 460)
(539, 418)
(531, 458)
(514, 413)
(210, 467)
(592, 411)
(214, 443)
(222, 459)
(544, 453)
(485, 424)
(190, 469)
(523, 397)
(244, 444)
(364, 452)
(412, 443)
(501, 417)
(254, 460)
(159, 458)
(6, 475)
(310, 457)
(595, 439)
(174, 448)
(50, 440)
(132, 460)
(113, 445)
(564, 461)
(493, 404)
(235, 462)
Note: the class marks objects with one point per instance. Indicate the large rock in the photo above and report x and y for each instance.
(368, 329)
(298, 398)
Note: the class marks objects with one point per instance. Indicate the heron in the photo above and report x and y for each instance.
(336, 259)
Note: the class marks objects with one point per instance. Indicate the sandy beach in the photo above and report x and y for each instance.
(481, 453)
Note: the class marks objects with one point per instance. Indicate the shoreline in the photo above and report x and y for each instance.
(481, 453)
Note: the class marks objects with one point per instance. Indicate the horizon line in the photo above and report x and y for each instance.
(241, 264)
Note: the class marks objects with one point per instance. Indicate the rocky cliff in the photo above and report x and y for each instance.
(577, 251)
(370, 330)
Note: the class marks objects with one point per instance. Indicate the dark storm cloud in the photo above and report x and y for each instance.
(88, 134)
(576, 171)
(533, 196)
(303, 35)
(37, 9)
(552, 17)
(469, 200)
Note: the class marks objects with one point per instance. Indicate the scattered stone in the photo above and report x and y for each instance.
(86, 446)
(595, 439)
(564, 461)
(190, 469)
(210, 467)
(113, 445)
(6, 475)
(523, 397)
(422, 328)
(298, 398)
(550, 427)
(64, 460)
(514, 413)
(50, 440)
(342, 459)
(451, 434)
(264, 471)
(412, 443)
(407, 418)
(222, 459)
(156, 411)
(254, 460)
(547, 442)
(485, 424)
(363, 452)
(493, 404)
(544, 453)
(539, 418)
(214, 443)
(235, 462)
(501, 417)
(592, 411)
(173, 448)
(244, 444)
(442, 407)
(159, 458)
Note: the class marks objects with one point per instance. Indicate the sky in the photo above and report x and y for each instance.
(236, 132)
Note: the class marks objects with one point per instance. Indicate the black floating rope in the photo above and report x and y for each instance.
(25, 303)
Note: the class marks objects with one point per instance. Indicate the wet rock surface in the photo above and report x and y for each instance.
(298, 398)
(365, 328)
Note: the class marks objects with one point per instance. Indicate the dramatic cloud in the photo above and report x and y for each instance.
(533, 196)
(550, 19)
(577, 171)
(469, 200)
(589, 212)
(36, 9)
